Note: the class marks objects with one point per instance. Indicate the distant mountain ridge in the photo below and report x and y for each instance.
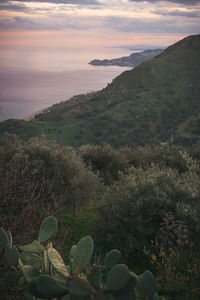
(132, 60)
(156, 102)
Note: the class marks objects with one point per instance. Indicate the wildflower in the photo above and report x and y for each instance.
(153, 258)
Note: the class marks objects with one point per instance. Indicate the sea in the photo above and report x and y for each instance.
(34, 79)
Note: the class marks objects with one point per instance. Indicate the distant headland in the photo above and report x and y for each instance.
(132, 60)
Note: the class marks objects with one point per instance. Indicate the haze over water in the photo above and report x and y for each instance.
(45, 45)
(33, 79)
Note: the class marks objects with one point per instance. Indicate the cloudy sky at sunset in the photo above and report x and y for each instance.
(100, 22)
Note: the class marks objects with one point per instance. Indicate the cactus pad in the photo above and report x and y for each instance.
(48, 287)
(95, 277)
(10, 279)
(9, 235)
(82, 254)
(57, 261)
(47, 229)
(128, 291)
(47, 267)
(12, 255)
(146, 284)
(72, 252)
(30, 273)
(32, 288)
(117, 277)
(34, 247)
(31, 259)
(111, 258)
(79, 287)
(3, 237)
(134, 278)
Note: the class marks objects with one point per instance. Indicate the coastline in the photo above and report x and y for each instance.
(32, 116)
(46, 109)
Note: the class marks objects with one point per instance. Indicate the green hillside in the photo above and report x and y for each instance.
(159, 101)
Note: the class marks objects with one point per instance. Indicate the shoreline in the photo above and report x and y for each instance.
(31, 117)
(85, 96)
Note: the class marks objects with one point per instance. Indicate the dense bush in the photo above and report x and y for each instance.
(104, 160)
(164, 156)
(41, 177)
(124, 198)
(132, 210)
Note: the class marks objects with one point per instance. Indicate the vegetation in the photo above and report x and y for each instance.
(139, 193)
(143, 201)
(40, 271)
(41, 177)
(156, 102)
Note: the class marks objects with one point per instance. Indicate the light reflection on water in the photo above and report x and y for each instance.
(31, 80)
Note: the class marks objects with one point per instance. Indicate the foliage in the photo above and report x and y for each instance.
(131, 212)
(164, 156)
(105, 160)
(126, 198)
(177, 267)
(39, 177)
(40, 271)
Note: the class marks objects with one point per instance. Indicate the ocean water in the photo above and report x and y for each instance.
(33, 79)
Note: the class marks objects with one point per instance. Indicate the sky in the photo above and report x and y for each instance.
(39, 23)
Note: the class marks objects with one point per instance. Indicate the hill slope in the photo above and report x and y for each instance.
(155, 102)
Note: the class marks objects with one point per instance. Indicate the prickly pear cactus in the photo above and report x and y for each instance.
(41, 273)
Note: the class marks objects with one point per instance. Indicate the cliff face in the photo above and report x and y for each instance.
(132, 60)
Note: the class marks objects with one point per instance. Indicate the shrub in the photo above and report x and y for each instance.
(132, 210)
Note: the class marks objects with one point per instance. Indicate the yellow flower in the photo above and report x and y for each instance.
(153, 257)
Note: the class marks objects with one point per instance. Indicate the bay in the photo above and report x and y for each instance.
(31, 80)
